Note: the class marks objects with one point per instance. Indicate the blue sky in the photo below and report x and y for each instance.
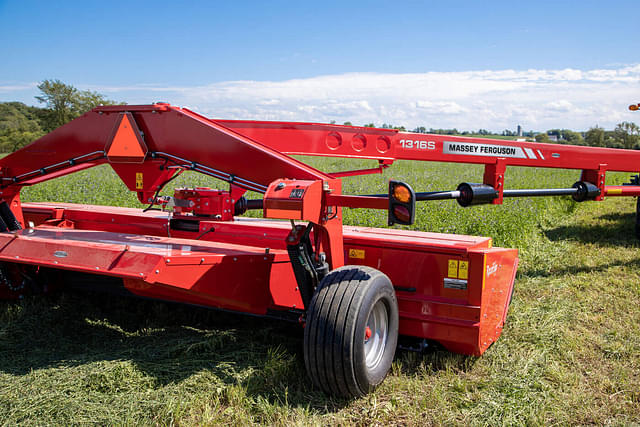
(554, 64)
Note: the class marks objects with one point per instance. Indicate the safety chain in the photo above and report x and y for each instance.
(4, 280)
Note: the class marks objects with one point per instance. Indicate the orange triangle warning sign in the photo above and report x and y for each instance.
(126, 144)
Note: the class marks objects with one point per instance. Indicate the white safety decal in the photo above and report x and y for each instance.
(492, 269)
(530, 153)
(491, 150)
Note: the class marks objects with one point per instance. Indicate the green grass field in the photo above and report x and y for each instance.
(569, 354)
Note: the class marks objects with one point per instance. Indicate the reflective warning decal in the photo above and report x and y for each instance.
(139, 181)
(453, 268)
(356, 253)
(126, 144)
(463, 270)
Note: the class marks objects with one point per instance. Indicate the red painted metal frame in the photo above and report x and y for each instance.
(390, 145)
(453, 289)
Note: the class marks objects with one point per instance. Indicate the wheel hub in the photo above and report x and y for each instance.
(376, 332)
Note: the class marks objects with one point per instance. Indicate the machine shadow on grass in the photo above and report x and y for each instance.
(166, 341)
(169, 343)
(435, 358)
(611, 229)
(577, 269)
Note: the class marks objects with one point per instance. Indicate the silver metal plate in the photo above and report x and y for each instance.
(458, 284)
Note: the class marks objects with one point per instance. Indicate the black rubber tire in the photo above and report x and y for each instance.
(334, 335)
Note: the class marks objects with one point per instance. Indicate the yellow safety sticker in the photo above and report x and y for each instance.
(484, 270)
(463, 270)
(453, 269)
(356, 253)
(139, 181)
(614, 191)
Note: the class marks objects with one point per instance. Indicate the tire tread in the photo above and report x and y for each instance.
(331, 326)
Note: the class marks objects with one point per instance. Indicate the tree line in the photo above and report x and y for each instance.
(625, 135)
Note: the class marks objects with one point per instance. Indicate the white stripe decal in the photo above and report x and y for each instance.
(530, 153)
(541, 156)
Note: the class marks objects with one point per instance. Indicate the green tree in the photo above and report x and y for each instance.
(64, 102)
(571, 137)
(566, 136)
(19, 125)
(87, 100)
(595, 137)
(612, 139)
(628, 133)
(555, 132)
(453, 131)
(542, 137)
(59, 98)
(390, 126)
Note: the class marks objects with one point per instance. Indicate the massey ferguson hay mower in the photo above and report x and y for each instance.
(354, 289)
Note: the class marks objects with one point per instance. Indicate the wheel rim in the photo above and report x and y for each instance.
(376, 332)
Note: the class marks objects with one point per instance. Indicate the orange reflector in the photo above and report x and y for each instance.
(401, 194)
(402, 203)
(402, 213)
(126, 144)
(634, 107)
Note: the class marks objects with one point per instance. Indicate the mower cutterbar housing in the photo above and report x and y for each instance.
(450, 288)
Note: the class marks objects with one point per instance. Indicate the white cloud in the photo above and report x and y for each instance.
(560, 106)
(17, 87)
(441, 107)
(537, 99)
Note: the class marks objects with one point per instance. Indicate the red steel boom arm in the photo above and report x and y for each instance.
(184, 136)
(388, 145)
